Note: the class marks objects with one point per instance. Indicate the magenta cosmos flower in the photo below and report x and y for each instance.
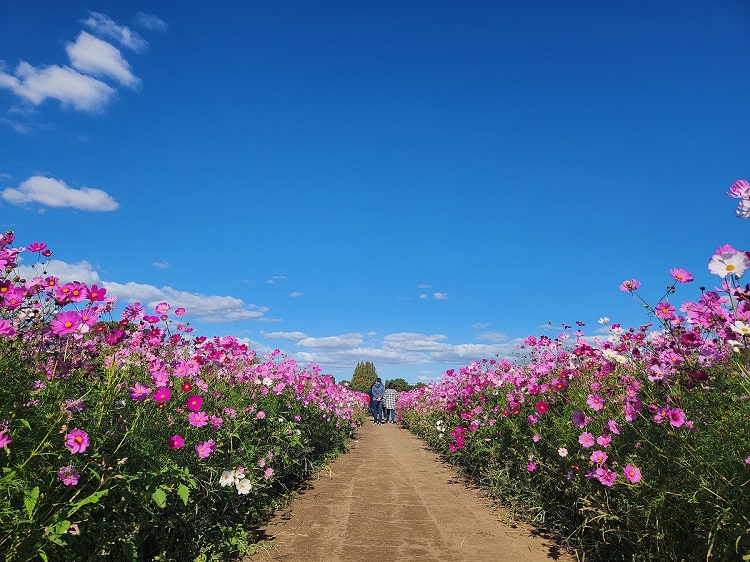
(586, 439)
(198, 419)
(194, 403)
(68, 475)
(630, 285)
(5, 439)
(162, 395)
(76, 441)
(65, 323)
(175, 442)
(632, 473)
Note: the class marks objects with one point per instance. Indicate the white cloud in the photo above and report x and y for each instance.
(440, 296)
(56, 193)
(296, 294)
(480, 325)
(344, 341)
(105, 26)
(161, 264)
(200, 307)
(423, 286)
(150, 22)
(68, 86)
(93, 56)
(290, 336)
(423, 296)
(495, 337)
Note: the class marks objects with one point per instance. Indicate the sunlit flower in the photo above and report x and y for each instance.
(226, 478)
(595, 402)
(68, 475)
(630, 285)
(681, 275)
(604, 320)
(6, 328)
(632, 473)
(606, 476)
(741, 328)
(729, 263)
(243, 486)
(676, 417)
(562, 451)
(76, 440)
(65, 322)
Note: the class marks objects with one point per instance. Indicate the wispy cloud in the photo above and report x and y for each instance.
(495, 337)
(56, 193)
(161, 264)
(440, 296)
(150, 22)
(274, 278)
(104, 26)
(295, 294)
(93, 56)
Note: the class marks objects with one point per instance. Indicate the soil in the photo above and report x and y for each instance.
(391, 498)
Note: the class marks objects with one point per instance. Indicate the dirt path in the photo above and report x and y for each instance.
(391, 499)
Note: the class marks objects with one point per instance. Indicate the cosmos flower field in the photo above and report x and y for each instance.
(630, 445)
(125, 436)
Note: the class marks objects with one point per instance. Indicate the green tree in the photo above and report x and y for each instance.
(363, 377)
(399, 384)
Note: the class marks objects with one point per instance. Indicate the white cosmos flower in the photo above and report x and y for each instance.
(227, 478)
(244, 486)
(562, 451)
(729, 263)
(604, 320)
(740, 327)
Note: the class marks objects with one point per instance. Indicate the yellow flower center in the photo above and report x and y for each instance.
(730, 267)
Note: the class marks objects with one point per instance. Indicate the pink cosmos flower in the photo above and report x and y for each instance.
(139, 392)
(179, 311)
(205, 448)
(738, 190)
(260, 415)
(6, 328)
(676, 417)
(630, 285)
(542, 407)
(268, 473)
(595, 402)
(632, 473)
(579, 419)
(176, 441)
(681, 275)
(586, 439)
(36, 246)
(262, 463)
(5, 439)
(76, 441)
(665, 310)
(613, 426)
(95, 293)
(194, 402)
(598, 457)
(68, 475)
(65, 322)
(604, 440)
(198, 419)
(606, 476)
(531, 467)
(161, 308)
(162, 395)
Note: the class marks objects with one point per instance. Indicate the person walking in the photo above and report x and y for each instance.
(389, 402)
(377, 391)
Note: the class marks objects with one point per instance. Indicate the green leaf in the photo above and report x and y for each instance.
(42, 555)
(25, 423)
(183, 492)
(160, 497)
(92, 498)
(30, 499)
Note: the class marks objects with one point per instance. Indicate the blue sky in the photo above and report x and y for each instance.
(416, 184)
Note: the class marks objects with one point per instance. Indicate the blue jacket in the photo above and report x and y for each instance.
(377, 391)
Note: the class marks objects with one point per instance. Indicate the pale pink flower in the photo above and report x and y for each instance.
(681, 275)
(606, 476)
(139, 392)
(268, 473)
(586, 439)
(630, 285)
(205, 448)
(738, 190)
(598, 457)
(632, 473)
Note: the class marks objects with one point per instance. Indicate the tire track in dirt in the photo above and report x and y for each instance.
(392, 499)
